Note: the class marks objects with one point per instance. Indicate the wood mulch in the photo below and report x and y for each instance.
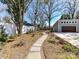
(19, 47)
(54, 50)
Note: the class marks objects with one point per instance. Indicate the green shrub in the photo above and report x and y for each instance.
(65, 16)
(12, 37)
(66, 56)
(30, 31)
(70, 57)
(3, 36)
(51, 39)
(61, 41)
(71, 48)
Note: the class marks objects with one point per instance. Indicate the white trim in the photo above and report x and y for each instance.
(73, 22)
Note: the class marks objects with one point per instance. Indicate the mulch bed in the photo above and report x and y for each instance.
(54, 50)
(19, 47)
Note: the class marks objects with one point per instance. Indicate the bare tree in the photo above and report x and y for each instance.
(17, 9)
(7, 19)
(36, 15)
(49, 7)
(72, 7)
(42, 20)
(77, 15)
(33, 14)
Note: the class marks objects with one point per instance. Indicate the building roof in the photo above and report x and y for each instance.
(28, 24)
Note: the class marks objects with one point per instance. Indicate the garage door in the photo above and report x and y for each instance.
(69, 29)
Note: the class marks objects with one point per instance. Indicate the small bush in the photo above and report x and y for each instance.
(51, 39)
(33, 35)
(68, 56)
(30, 30)
(57, 38)
(11, 37)
(3, 36)
(61, 41)
(20, 43)
(70, 48)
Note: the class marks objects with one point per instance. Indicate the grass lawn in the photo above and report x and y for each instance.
(56, 48)
(18, 48)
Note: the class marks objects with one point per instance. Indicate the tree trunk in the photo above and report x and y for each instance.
(49, 22)
(73, 16)
(20, 24)
(19, 28)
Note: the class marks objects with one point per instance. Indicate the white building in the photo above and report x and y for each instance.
(11, 29)
(67, 26)
(26, 29)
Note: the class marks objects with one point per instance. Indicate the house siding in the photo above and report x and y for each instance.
(55, 28)
(74, 22)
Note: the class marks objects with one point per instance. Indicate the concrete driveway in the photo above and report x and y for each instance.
(68, 35)
(72, 38)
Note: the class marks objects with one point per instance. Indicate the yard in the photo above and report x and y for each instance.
(56, 48)
(18, 47)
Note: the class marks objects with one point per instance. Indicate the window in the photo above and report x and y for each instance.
(61, 22)
(67, 22)
(73, 22)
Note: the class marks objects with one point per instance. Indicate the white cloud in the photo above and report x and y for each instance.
(3, 10)
(3, 7)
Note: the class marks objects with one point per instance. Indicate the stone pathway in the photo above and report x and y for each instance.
(72, 38)
(35, 51)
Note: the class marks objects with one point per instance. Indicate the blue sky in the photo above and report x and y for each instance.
(3, 13)
(56, 15)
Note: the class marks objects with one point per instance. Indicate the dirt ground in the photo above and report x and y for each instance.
(19, 47)
(54, 50)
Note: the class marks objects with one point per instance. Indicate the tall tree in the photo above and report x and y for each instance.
(49, 7)
(77, 15)
(36, 15)
(17, 9)
(72, 7)
(33, 14)
(42, 20)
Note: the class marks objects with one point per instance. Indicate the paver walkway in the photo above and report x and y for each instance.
(35, 51)
(72, 38)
